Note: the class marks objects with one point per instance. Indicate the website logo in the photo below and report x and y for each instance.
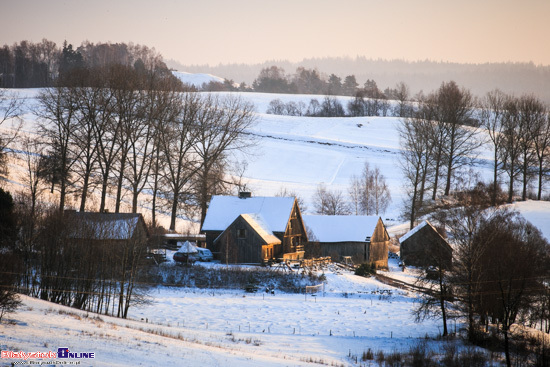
(66, 353)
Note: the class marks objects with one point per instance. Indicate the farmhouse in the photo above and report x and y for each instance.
(424, 246)
(362, 237)
(254, 230)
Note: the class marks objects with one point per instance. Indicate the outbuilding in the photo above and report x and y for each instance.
(424, 246)
(362, 237)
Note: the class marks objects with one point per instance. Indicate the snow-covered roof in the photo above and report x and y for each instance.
(341, 228)
(105, 226)
(416, 229)
(257, 222)
(223, 210)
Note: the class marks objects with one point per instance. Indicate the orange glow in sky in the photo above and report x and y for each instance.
(249, 31)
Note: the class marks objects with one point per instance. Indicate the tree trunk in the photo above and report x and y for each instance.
(495, 179)
(103, 194)
(84, 192)
(119, 186)
(174, 211)
(62, 196)
(507, 348)
(511, 187)
(135, 199)
(541, 171)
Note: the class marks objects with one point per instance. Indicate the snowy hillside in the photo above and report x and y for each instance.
(298, 153)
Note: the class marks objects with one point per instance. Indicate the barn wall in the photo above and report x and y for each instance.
(357, 250)
(240, 250)
(426, 248)
(379, 246)
(295, 237)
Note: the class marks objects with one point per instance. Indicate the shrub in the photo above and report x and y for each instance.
(366, 269)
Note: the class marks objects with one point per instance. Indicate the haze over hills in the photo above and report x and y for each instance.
(426, 76)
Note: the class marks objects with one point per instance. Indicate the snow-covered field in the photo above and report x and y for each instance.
(230, 328)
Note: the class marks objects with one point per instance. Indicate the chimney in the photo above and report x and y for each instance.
(245, 194)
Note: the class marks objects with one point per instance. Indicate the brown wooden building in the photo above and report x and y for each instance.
(112, 227)
(363, 238)
(254, 229)
(424, 246)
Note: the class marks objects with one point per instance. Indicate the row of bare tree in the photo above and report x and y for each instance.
(134, 131)
(443, 136)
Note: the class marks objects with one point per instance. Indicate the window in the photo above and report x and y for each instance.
(241, 233)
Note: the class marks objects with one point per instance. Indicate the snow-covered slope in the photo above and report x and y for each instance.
(298, 153)
(536, 212)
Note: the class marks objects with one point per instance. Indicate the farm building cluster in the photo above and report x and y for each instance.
(256, 230)
(264, 230)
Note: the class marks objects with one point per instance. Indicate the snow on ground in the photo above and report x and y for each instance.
(230, 328)
(536, 212)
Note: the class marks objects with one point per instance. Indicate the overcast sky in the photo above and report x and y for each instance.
(250, 31)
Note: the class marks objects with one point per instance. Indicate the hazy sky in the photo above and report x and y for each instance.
(249, 31)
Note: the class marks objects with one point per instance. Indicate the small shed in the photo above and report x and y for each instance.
(112, 227)
(424, 246)
(362, 237)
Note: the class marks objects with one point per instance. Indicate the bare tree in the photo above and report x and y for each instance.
(33, 159)
(532, 116)
(491, 115)
(126, 107)
(92, 114)
(433, 302)
(355, 191)
(415, 161)
(220, 126)
(10, 108)
(511, 152)
(177, 139)
(328, 202)
(159, 105)
(455, 109)
(541, 144)
(58, 112)
(402, 94)
(369, 193)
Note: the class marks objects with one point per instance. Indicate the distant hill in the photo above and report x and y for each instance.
(515, 78)
(196, 80)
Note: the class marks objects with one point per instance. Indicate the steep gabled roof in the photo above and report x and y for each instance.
(257, 222)
(418, 228)
(341, 228)
(223, 210)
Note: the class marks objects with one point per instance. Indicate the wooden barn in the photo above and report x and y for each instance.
(254, 230)
(362, 237)
(112, 227)
(424, 246)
